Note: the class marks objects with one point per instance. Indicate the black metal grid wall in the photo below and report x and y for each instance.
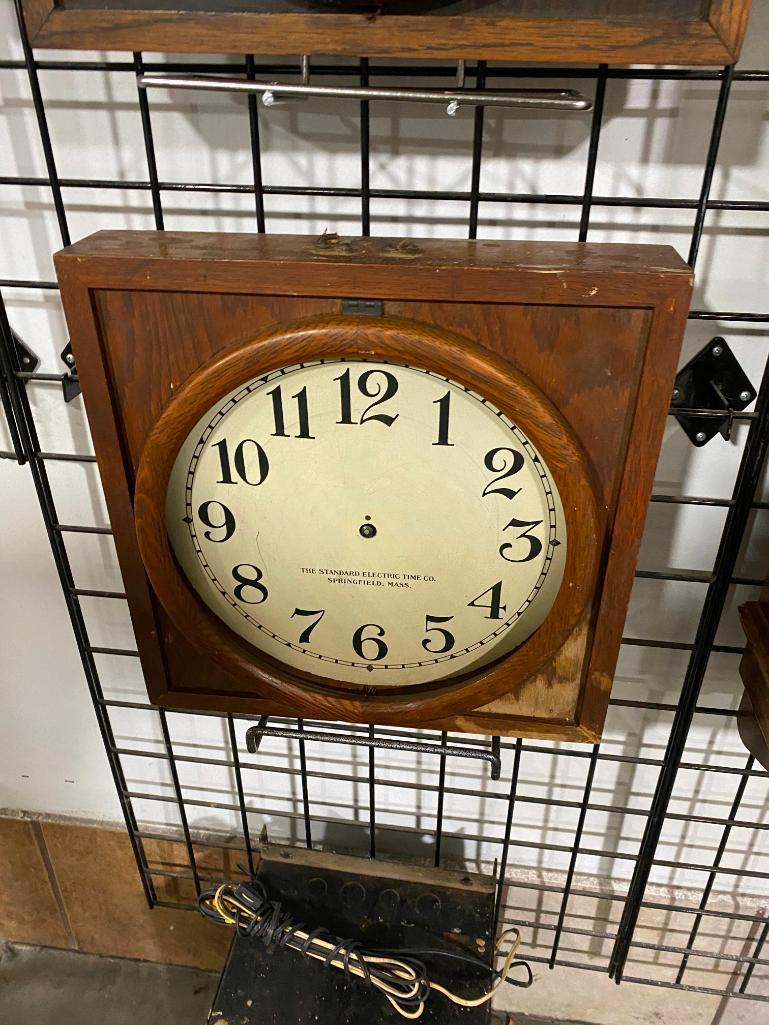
(631, 928)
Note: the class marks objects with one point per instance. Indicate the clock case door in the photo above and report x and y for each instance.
(596, 328)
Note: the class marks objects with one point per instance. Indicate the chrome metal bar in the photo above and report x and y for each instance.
(542, 99)
(494, 757)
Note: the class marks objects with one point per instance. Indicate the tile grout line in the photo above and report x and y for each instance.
(42, 847)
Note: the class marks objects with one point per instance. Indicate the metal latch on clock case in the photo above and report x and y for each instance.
(363, 307)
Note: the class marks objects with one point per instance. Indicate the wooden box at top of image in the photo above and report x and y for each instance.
(543, 31)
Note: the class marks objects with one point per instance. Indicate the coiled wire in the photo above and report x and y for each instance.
(399, 975)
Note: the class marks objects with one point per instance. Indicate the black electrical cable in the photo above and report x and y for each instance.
(399, 975)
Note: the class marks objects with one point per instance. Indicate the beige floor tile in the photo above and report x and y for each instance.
(28, 909)
(106, 905)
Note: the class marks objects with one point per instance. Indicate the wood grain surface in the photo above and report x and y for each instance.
(612, 31)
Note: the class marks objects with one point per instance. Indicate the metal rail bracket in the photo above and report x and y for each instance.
(70, 383)
(27, 360)
(492, 755)
(275, 93)
(712, 382)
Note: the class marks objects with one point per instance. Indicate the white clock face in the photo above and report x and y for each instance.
(367, 522)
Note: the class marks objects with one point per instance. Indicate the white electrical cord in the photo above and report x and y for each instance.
(398, 975)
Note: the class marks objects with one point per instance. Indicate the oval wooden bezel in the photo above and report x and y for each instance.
(399, 341)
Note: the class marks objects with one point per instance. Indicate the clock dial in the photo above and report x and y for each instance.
(367, 522)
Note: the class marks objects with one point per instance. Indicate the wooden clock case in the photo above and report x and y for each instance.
(582, 338)
(547, 31)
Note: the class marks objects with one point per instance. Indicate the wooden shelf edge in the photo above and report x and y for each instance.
(588, 41)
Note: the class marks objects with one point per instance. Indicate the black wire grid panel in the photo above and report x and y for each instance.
(598, 882)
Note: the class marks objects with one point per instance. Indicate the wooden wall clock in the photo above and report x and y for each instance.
(377, 481)
(589, 31)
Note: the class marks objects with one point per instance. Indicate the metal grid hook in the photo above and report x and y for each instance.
(453, 99)
(493, 756)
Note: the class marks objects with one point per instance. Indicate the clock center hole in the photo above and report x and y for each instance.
(367, 529)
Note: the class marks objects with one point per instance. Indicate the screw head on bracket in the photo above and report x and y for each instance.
(676, 394)
(700, 437)
(745, 396)
(69, 358)
(717, 350)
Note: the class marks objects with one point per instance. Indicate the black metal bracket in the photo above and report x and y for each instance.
(709, 390)
(27, 361)
(70, 383)
(493, 756)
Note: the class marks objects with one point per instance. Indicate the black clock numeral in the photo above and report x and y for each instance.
(370, 386)
(494, 605)
(241, 465)
(443, 420)
(358, 640)
(247, 582)
(379, 396)
(304, 636)
(227, 524)
(448, 638)
(277, 410)
(345, 398)
(491, 462)
(535, 545)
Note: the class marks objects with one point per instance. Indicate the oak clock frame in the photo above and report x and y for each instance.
(547, 31)
(578, 343)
